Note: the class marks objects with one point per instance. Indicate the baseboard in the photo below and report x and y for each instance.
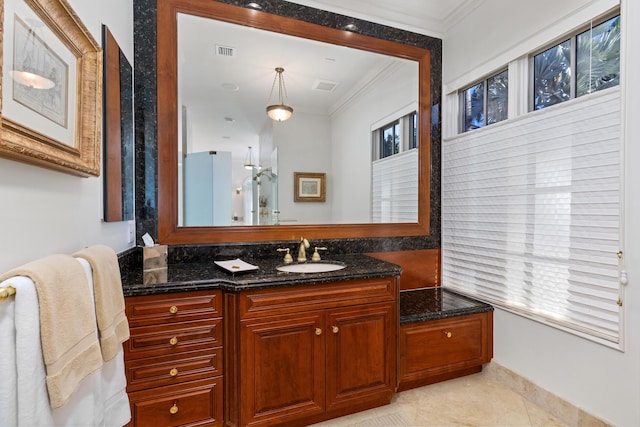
(556, 406)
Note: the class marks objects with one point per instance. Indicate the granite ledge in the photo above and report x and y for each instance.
(185, 277)
(435, 303)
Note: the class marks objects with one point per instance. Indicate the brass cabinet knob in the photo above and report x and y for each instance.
(335, 329)
(173, 309)
(318, 331)
(448, 334)
(173, 372)
(173, 340)
(174, 409)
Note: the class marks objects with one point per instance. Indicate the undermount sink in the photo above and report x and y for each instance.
(311, 267)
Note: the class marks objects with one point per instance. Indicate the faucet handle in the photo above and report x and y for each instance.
(316, 255)
(288, 259)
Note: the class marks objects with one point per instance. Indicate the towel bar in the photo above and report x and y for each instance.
(6, 292)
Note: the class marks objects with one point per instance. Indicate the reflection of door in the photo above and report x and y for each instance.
(207, 188)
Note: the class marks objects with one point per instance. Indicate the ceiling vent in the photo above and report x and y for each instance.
(325, 85)
(225, 51)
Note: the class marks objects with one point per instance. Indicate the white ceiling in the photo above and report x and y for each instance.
(431, 17)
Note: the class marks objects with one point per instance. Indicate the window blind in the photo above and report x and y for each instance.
(395, 188)
(531, 215)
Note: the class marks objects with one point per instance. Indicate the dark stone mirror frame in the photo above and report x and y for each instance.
(146, 117)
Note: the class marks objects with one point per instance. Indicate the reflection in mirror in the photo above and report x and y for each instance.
(341, 147)
(354, 120)
(261, 194)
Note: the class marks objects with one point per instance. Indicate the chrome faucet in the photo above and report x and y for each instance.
(302, 253)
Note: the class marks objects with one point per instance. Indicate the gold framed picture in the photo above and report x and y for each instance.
(309, 187)
(51, 88)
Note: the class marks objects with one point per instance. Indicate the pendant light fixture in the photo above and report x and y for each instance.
(31, 71)
(279, 112)
(248, 160)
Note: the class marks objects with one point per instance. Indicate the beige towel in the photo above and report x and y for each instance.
(113, 325)
(68, 332)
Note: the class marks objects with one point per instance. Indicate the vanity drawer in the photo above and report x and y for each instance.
(173, 308)
(160, 340)
(326, 295)
(194, 404)
(441, 347)
(168, 370)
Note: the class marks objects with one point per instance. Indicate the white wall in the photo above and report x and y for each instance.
(602, 381)
(44, 212)
(312, 154)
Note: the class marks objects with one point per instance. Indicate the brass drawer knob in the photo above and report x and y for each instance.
(174, 409)
(335, 329)
(173, 372)
(318, 331)
(448, 334)
(173, 340)
(173, 309)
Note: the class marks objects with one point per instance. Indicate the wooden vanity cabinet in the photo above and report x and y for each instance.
(311, 353)
(174, 359)
(439, 350)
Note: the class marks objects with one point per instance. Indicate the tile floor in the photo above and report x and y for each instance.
(474, 400)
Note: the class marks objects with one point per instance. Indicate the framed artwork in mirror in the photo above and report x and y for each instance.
(51, 87)
(309, 187)
(117, 132)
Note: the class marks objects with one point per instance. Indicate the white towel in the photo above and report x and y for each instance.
(29, 403)
(100, 399)
(68, 330)
(9, 383)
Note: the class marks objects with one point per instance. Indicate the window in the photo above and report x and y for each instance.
(485, 103)
(531, 216)
(390, 143)
(396, 137)
(595, 56)
(598, 65)
(413, 131)
(497, 97)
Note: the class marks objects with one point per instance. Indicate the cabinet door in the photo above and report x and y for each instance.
(361, 349)
(282, 368)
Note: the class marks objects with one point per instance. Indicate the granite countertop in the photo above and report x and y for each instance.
(436, 303)
(185, 277)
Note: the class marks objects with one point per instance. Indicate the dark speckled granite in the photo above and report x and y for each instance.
(426, 304)
(185, 277)
(130, 260)
(145, 118)
(146, 152)
(192, 268)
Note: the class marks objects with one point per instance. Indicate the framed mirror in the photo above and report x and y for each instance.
(176, 116)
